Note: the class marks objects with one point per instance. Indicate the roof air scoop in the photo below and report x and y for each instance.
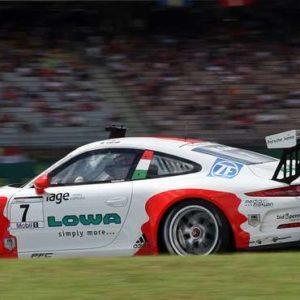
(116, 131)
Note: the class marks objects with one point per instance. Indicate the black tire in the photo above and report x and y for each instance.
(195, 227)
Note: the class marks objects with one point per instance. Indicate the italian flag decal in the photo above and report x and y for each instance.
(143, 165)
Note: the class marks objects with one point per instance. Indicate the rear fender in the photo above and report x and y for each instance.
(158, 206)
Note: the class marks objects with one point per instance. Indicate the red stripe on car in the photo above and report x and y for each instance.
(4, 233)
(157, 206)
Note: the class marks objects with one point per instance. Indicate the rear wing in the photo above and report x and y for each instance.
(288, 168)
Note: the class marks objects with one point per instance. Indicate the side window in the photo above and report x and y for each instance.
(96, 166)
(167, 165)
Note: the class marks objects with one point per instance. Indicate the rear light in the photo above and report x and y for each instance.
(289, 191)
(289, 225)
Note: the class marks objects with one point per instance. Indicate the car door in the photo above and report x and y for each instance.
(84, 207)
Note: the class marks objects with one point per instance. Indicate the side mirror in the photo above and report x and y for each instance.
(41, 183)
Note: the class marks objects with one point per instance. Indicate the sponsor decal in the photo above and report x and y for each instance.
(225, 169)
(285, 139)
(27, 225)
(82, 233)
(85, 220)
(99, 232)
(9, 243)
(141, 242)
(276, 238)
(27, 215)
(258, 203)
(77, 197)
(112, 141)
(288, 216)
(58, 198)
(41, 255)
(268, 240)
(254, 220)
(255, 243)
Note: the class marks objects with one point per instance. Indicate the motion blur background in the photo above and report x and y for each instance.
(220, 70)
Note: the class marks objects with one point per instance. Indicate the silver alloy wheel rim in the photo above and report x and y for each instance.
(193, 230)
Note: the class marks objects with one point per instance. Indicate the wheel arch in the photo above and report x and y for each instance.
(159, 205)
(159, 233)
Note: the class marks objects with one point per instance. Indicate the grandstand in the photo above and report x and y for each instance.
(69, 70)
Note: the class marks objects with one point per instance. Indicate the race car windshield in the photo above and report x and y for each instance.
(238, 155)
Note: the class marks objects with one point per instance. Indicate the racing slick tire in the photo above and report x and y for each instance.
(195, 227)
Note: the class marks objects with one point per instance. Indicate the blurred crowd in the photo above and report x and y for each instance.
(44, 83)
(226, 81)
(221, 81)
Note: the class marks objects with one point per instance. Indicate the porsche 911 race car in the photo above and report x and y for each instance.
(139, 196)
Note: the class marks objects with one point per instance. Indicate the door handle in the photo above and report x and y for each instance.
(117, 201)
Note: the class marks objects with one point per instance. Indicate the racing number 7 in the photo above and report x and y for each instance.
(26, 207)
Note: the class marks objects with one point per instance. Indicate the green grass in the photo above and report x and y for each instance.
(236, 276)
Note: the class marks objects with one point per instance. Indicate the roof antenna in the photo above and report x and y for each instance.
(185, 131)
(116, 131)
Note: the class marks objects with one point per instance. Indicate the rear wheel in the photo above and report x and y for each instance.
(195, 228)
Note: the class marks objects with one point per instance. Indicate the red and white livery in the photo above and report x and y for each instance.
(140, 196)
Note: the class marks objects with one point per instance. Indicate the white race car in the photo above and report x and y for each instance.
(138, 196)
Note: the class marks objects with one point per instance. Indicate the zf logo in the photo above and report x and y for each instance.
(224, 168)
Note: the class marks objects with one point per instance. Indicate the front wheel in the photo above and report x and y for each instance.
(197, 228)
